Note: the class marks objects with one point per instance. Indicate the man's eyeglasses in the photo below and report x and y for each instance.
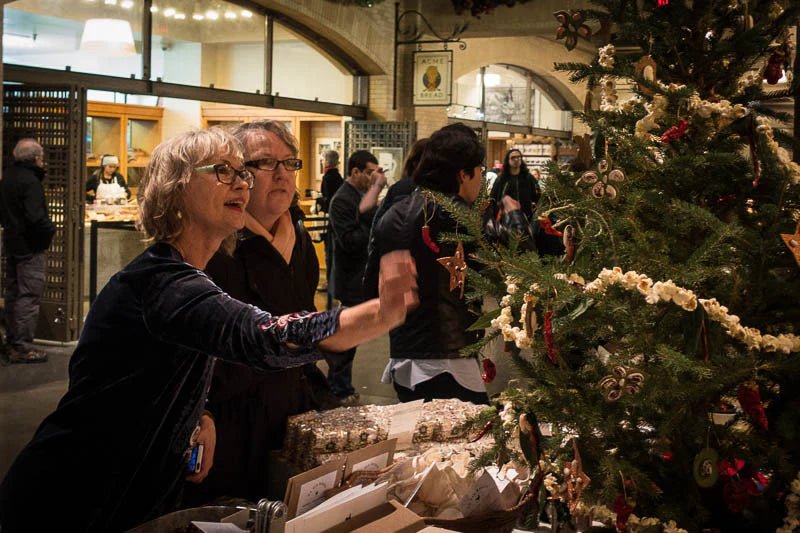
(226, 174)
(270, 163)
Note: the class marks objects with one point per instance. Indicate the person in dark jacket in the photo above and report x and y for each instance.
(331, 181)
(274, 267)
(27, 233)
(425, 351)
(114, 452)
(352, 210)
(517, 182)
(396, 192)
(107, 173)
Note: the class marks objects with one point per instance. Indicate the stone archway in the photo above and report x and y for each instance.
(534, 54)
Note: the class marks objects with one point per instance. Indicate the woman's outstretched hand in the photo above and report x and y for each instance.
(397, 287)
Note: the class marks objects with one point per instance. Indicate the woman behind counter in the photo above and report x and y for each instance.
(107, 173)
(114, 452)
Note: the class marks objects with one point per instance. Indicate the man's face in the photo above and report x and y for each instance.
(362, 178)
(515, 160)
(274, 190)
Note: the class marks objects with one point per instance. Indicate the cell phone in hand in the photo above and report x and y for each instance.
(195, 459)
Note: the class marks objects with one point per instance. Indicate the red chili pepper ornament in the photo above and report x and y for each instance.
(675, 132)
(426, 238)
(750, 399)
(489, 371)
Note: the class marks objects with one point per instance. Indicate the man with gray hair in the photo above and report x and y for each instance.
(27, 233)
(331, 181)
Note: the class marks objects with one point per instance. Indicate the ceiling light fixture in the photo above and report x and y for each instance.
(110, 2)
(230, 15)
(126, 4)
(169, 12)
(198, 16)
(212, 15)
(110, 37)
(180, 16)
(246, 14)
(153, 9)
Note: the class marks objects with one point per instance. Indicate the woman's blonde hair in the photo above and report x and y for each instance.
(171, 167)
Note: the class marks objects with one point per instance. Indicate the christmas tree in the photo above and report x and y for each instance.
(662, 348)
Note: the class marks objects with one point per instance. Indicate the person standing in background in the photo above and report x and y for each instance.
(517, 182)
(331, 181)
(351, 212)
(28, 232)
(107, 173)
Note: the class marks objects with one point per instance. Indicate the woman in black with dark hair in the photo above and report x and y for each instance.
(517, 182)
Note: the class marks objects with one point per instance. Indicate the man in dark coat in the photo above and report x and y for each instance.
(27, 234)
(331, 181)
(351, 212)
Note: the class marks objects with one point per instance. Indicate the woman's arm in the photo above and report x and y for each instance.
(183, 306)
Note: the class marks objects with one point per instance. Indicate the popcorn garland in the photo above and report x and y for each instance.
(606, 54)
(792, 521)
(791, 168)
(634, 524)
(667, 291)
(503, 322)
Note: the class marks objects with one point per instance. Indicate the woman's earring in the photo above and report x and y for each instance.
(179, 215)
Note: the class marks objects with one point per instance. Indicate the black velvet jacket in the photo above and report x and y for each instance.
(112, 454)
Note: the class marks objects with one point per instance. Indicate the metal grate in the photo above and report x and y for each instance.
(365, 134)
(55, 117)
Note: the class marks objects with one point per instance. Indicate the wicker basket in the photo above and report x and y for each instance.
(494, 521)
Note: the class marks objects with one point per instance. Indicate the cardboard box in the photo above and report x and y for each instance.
(389, 517)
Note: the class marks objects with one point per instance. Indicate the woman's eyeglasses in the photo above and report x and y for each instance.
(270, 163)
(226, 174)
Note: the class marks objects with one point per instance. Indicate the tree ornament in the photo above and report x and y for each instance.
(599, 180)
(572, 27)
(530, 438)
(705, 469)
(549, 342)
(675, 132)
(547, 226)
(575, 478)
(622, 380)
(623, 507)
(750, 399)
(489, 371)
(426, 230)
(569, 244)
(754, 154)
(662, 3)
(584, 156)
(530, 322)
(457, 268)
(774, 69)
(646, 69)
(793, 242)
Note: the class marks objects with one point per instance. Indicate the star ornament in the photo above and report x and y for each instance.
(793, 242)
(576, 479)
(457, 268)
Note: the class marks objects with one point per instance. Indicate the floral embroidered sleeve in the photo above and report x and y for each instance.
(183, 306)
